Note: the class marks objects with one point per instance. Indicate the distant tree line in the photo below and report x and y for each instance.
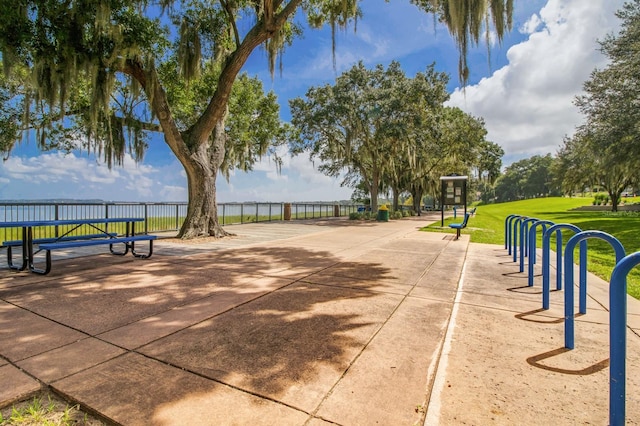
(528, 178)
(386, 133)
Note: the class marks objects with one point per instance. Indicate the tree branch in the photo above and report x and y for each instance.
(150, 83)
(287, 11)
(216, 108)
(227, 9)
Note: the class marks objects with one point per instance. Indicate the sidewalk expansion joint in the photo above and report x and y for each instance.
(439, 365)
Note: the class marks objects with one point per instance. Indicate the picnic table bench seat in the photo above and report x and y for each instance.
(128, 241)
(18, 243)
(14, 243)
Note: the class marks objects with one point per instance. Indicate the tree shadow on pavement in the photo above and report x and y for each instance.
(276, 336)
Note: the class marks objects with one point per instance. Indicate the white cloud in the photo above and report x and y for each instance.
(172, 193)
(308, 173)
(56, 175)
(528, 104)
(298, 180)
(16, 168)
(277, 176)
(531, 25)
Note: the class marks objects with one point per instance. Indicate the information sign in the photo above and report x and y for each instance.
(454, 192)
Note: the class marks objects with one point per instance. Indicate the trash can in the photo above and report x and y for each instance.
(383, 214)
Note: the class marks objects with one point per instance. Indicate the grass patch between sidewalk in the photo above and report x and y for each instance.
(46, 409)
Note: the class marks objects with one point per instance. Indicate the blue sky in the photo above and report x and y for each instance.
(524, 92)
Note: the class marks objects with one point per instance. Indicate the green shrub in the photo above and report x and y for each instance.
(397, 215)
(355, 216)
(601, 199)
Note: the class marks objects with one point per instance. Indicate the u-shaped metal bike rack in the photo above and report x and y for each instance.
(515, 227)
(546, 251)
(533, 241)
(508, 235)
(524, 239)
(617, 291)
(618, 338)
(569, 332)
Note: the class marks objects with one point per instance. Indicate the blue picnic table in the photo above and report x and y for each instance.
(68, 240)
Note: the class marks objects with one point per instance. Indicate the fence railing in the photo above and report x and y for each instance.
(161, 217)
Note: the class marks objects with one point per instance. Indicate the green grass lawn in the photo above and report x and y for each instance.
(487, 226)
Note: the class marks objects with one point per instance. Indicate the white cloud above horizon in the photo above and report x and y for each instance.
(527, 105)
(71, 176)
(59, 175)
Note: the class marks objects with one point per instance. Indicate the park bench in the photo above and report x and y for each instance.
(128, 241)
(459, 226)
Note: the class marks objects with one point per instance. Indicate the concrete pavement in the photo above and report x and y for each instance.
(309, 323)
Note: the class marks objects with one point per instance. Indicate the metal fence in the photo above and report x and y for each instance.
(161, 217)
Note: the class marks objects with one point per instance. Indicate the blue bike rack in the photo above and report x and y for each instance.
(524, 239)
(569, 332)
(546, 269)
(514, 233)
(532, 245)
(617, 292)
(618, 338)
(507, 230)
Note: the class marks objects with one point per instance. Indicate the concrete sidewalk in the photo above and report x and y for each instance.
(333, 322)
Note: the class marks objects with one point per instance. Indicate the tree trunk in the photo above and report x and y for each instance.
(202, 169)
(396, 199)
(373, 188)
(615, 200)
(416, 194)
